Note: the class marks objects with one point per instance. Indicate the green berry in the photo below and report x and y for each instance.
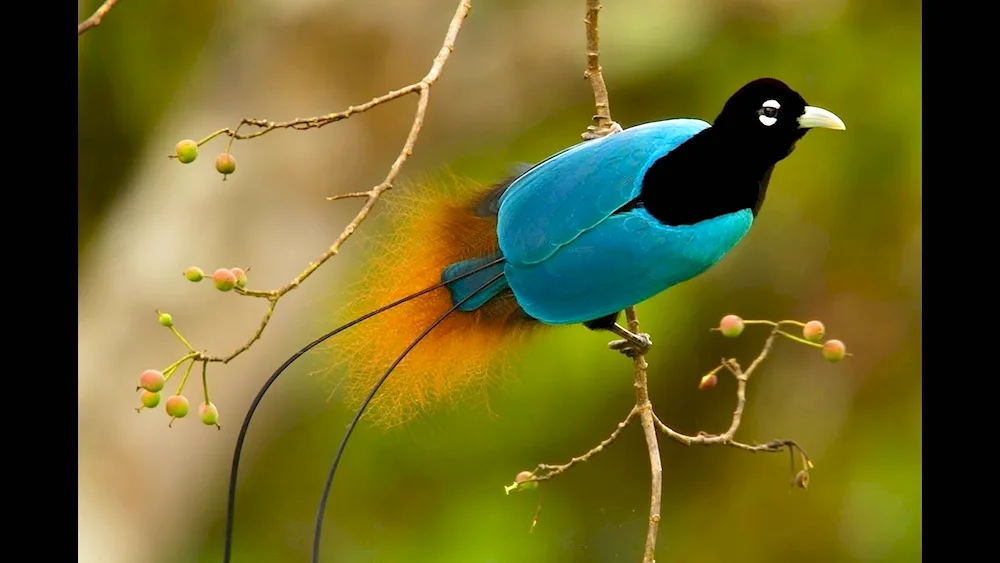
(187, 151)
(813, 331)
(166, 319)
(177, 406)
(241, 277)
(225, 164)
(834, 350)
(150, 399)
(194, 274)
(209, 414)
(152, 380)
(731, 326)
(225, 280)
(524, 481)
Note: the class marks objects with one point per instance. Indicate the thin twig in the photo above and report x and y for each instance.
(727, 437)
(422, 88)
(550, 471)
(603, 124)
(95, 19)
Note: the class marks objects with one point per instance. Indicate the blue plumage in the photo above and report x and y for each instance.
(575, 190)
(624, 260)
(570, 257)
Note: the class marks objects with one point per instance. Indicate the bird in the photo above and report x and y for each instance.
(468, 271)
(575, 239)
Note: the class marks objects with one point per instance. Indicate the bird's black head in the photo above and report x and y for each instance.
(769, 116)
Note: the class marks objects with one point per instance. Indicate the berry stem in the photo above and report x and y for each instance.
(714, 371)
(170, 369)
(181, 338)
(800, 340)
(772, 323)
(184, 380)
(204, 379)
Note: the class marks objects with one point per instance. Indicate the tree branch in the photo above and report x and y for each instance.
(422, 89)
(604, 125)
(95, 19)
(645, 409)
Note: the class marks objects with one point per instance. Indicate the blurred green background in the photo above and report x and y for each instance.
(839, 240)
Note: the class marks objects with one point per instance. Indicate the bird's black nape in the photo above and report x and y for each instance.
(241, 439)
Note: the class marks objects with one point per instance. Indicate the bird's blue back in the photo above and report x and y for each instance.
(570, 258)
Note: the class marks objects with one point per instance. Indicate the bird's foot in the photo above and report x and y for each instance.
(631, 344)
(597, 131)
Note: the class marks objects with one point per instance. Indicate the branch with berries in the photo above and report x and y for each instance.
(731, 326)
(235, 279)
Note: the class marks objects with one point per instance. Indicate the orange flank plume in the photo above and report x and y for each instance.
(427, 231)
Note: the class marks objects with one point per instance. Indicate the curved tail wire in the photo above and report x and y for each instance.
(317, 534)
(241, 439)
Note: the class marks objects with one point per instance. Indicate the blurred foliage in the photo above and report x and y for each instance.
(839, 240)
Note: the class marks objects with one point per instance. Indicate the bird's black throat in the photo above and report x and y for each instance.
(713, 173)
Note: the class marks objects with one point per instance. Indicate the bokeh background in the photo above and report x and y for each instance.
(839, 240)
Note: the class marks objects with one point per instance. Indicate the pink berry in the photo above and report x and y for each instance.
(241, 277)
(834, 350)
(224, 279)
(209, 414)
(152, 380)
(708, 381)
(813, 331)
(731, 326)
(225, 164)
(177, 406)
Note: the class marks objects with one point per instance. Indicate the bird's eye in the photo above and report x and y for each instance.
(768, 112)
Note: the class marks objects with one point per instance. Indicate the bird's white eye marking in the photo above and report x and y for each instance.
(768, 112)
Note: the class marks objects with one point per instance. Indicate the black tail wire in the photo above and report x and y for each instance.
(241, 439)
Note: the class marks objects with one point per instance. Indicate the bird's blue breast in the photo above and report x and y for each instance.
(571, 258)
(624, 260)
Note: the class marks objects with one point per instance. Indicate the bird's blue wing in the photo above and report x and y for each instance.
(621, 262)
(574, 190)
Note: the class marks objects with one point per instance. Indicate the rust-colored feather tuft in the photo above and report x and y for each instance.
(456, 361)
